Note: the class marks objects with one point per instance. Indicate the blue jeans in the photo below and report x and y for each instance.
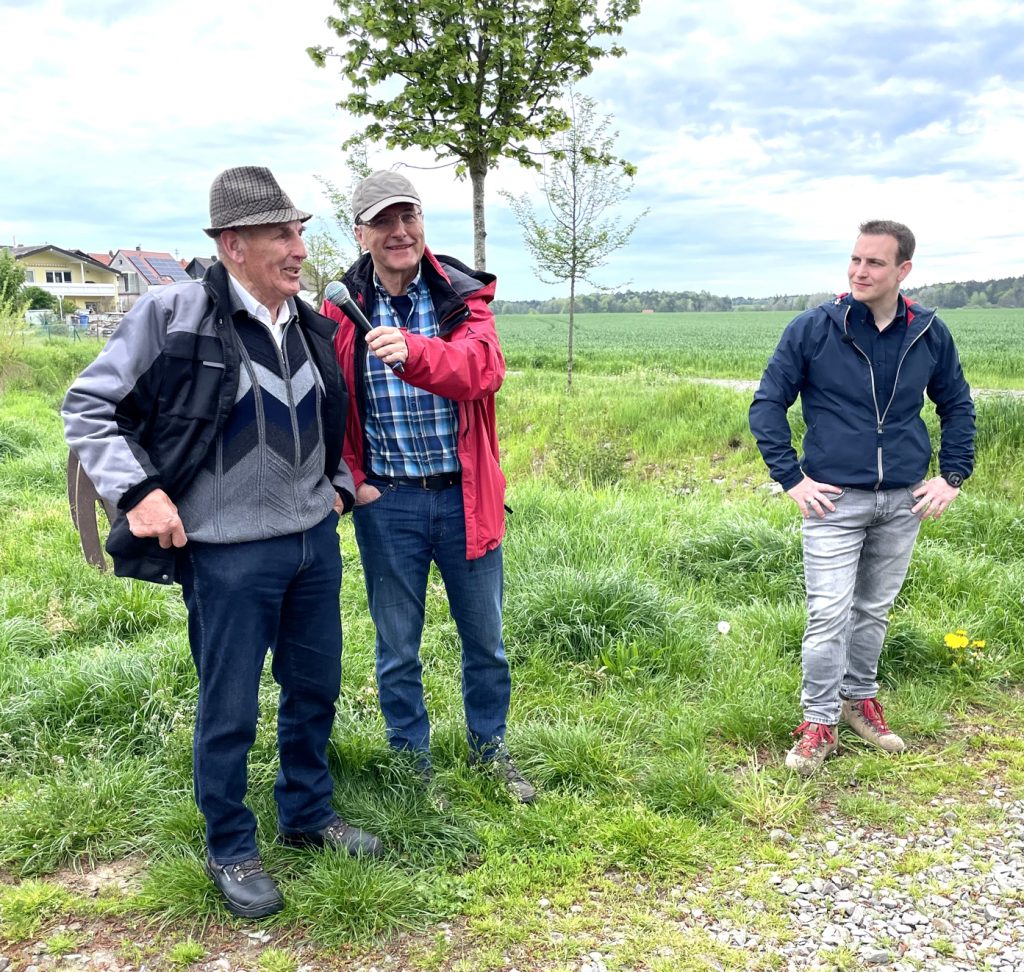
(243, 599)
(855, 562)
(398, 536)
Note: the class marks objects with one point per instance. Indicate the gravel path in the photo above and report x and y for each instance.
(941, 901)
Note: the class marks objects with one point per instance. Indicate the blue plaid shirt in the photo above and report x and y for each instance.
(410, 431)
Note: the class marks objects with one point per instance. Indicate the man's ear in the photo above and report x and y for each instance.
(904, 269)
(357, 232)
(233, 244)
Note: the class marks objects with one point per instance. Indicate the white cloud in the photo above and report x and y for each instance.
(763, 133)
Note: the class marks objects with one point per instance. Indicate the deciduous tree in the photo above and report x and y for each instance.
(324, 262)
(12, 277)
(582, 182)
(473, 81)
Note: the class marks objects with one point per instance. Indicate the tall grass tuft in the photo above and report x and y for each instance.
(83, 810)
(347, 900)
(576, 613)
(685, 783)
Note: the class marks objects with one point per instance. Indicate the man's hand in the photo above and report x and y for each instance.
(156, 516)
(933, 497)
(388, 344)
(810, 497)
(365, 493)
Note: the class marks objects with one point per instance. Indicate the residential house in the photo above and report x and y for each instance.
(198, 266)
(141, 269)
(70, 275)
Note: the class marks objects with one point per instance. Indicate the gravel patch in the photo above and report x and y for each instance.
(962, 913)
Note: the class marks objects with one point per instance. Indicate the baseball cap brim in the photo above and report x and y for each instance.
(377, 207)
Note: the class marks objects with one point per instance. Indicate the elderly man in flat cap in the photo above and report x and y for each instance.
(422, 444)
(213, 421)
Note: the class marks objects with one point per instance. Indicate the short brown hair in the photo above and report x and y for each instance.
(905, 242)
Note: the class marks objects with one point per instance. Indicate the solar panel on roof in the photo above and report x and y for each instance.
(167, 267)
(143, 268)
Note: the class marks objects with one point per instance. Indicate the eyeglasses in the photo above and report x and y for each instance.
(409, 218)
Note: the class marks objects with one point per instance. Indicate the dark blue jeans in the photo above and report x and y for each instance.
(398, 536)
(243, 599)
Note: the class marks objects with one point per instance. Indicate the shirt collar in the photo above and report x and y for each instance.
(861, 312)
(413, 289)
(257, 310)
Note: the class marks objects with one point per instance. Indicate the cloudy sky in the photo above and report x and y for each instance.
(764, 131)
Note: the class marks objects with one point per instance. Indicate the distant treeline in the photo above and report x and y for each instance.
(1006, 292)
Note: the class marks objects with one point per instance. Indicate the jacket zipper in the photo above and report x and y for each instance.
(880, 417)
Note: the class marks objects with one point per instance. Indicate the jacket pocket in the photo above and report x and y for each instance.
(190, 387)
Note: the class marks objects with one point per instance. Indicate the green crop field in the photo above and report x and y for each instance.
(735, 345)
(654, 610)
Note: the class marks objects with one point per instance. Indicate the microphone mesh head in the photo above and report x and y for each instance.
(335, 291)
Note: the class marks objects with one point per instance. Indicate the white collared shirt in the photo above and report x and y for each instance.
(262, 314)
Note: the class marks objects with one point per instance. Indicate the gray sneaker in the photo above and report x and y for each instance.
(865, 717)
(519, 787)
(432, 789)
(815, 743)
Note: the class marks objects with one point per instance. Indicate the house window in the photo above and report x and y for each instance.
(131, 283)
(30, 276)
(58, 276)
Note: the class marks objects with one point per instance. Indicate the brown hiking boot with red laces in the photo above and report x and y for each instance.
(865, 717)
(815, 743)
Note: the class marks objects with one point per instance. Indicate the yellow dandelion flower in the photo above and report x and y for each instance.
(956, 640)
(978, 644)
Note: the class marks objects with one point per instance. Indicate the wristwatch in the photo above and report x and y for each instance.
(954, 479)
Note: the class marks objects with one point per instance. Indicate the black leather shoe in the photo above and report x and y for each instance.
(248, 890)
(337, 835)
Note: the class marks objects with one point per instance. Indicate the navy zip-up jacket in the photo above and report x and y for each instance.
(853, 438)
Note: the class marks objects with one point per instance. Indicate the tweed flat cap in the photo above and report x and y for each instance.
(380, 190)
(249, 195)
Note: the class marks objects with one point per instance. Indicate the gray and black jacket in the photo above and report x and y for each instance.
(148, 412)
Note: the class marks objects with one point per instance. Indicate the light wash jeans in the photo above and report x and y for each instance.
(855, 562)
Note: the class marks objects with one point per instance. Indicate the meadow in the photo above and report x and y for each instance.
(654, 609)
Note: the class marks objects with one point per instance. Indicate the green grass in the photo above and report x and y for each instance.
(643, 518)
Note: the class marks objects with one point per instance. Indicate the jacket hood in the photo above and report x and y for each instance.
(836, 310)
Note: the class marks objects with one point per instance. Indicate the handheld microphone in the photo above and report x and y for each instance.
(337, 293)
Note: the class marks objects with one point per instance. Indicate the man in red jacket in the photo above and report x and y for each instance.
(423, 447)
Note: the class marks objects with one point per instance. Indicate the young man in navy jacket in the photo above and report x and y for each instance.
(861, 365)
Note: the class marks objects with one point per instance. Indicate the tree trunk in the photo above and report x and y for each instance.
(477, 175)
(572, 320)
